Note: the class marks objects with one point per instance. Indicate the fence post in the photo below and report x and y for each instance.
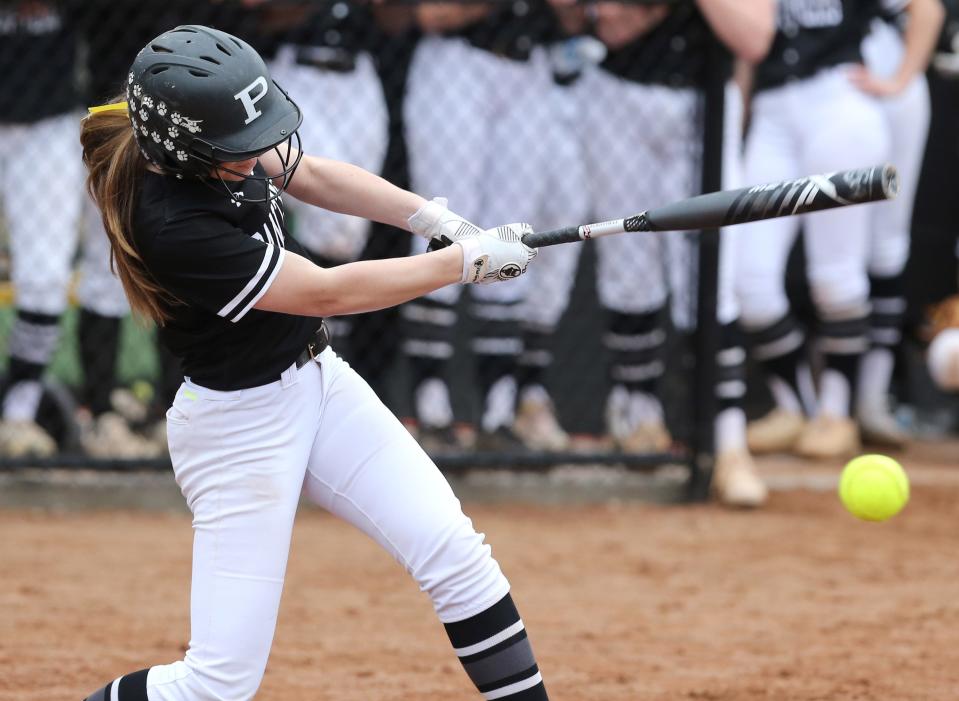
(706, 339)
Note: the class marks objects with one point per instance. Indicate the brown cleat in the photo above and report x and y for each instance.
(647, 437)
(736, 482)
(828, 437)
(536, 425)
(776, 432)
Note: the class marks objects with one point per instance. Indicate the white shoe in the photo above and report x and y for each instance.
(736, 482)
(109, 436)
(20, 439)
(537, 426)
(128, 405)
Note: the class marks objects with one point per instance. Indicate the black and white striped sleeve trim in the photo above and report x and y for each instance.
(256, 287)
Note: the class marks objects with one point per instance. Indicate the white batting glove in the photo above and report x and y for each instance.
(434, 220)
(496, 254)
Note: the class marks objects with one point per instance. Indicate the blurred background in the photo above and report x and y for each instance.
(624, 351)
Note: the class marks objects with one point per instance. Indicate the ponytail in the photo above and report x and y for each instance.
(116, 167)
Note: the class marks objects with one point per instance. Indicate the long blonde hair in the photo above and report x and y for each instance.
(116, 167)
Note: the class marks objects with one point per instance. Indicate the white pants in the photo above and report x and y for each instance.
(907, 118)
(99, 288)
(475, 125)
(644, 149)
(818, 125)
(243, 458)
(344, 118)
(42, 199)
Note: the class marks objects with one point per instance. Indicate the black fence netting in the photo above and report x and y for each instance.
(549, 113)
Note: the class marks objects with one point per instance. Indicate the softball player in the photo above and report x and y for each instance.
(42, 236)
(640, 114)
(810, 116)
(899, 82)
(476, 116)
(323, 55)
(267, 409)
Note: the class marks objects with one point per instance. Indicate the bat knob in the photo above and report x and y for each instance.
(890, 181)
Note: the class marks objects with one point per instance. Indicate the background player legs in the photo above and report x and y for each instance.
(43, 238)
(104, 433)
(446, 135)
(907, 117)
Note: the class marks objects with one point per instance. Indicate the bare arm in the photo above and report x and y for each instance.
(747, 27)
(309, 290)
(348, 189)
(922, 32)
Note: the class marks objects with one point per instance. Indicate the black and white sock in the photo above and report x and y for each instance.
(497, 347)
(129, 687)
(780, 348)
(536, 358)
(843, 339)
(635, 343)
(33, 341)
(888, 307)
(496, 653)
(429, 326)
(730, 426)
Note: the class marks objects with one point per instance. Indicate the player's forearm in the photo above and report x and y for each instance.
(342, 187)
(306, 289)
(922, 33)
(747, 27)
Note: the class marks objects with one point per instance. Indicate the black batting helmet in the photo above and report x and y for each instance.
(199, 97)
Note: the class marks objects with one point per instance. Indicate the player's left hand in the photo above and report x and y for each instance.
(871, 84)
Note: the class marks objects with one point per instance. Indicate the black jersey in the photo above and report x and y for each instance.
(218, 257)
(38, 48)
(514, 28)
(813, 35)
(676, 52)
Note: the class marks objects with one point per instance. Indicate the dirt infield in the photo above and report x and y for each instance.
(624, 602)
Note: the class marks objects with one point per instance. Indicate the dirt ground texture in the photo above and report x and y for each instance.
(623, 601)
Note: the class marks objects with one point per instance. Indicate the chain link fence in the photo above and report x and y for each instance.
(508, 109)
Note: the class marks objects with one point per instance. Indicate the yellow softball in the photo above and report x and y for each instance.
(873, 487)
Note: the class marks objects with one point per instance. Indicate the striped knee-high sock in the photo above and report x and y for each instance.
(497, 655)
(129, 687)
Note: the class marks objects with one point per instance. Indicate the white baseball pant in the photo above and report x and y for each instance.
(344, 118)
(821, 124)
(242, 460)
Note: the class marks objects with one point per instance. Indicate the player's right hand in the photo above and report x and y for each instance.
(495, 255)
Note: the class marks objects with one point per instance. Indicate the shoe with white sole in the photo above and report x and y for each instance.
(536, 425)
(776, 432)
(879, 426)
(110, 436)
(736, 482)
(22, 439)
(829, 437)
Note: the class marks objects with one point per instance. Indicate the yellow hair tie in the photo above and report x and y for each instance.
(111, 107)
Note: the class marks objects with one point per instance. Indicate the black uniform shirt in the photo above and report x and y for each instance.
(38, 45)
(674, 53)
(218, 257)
(514, 28)
(813, 35)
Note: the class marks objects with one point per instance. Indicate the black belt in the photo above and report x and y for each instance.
(327, 58)
(319, 343)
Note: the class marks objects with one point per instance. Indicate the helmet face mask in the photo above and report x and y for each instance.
(199, 98)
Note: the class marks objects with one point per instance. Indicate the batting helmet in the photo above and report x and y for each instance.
(199, 97)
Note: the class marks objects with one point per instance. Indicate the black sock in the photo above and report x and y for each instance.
(428, 326)
(130, 687)
(635, 343)
(496, 654)
(99, 343)
(33, 341)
